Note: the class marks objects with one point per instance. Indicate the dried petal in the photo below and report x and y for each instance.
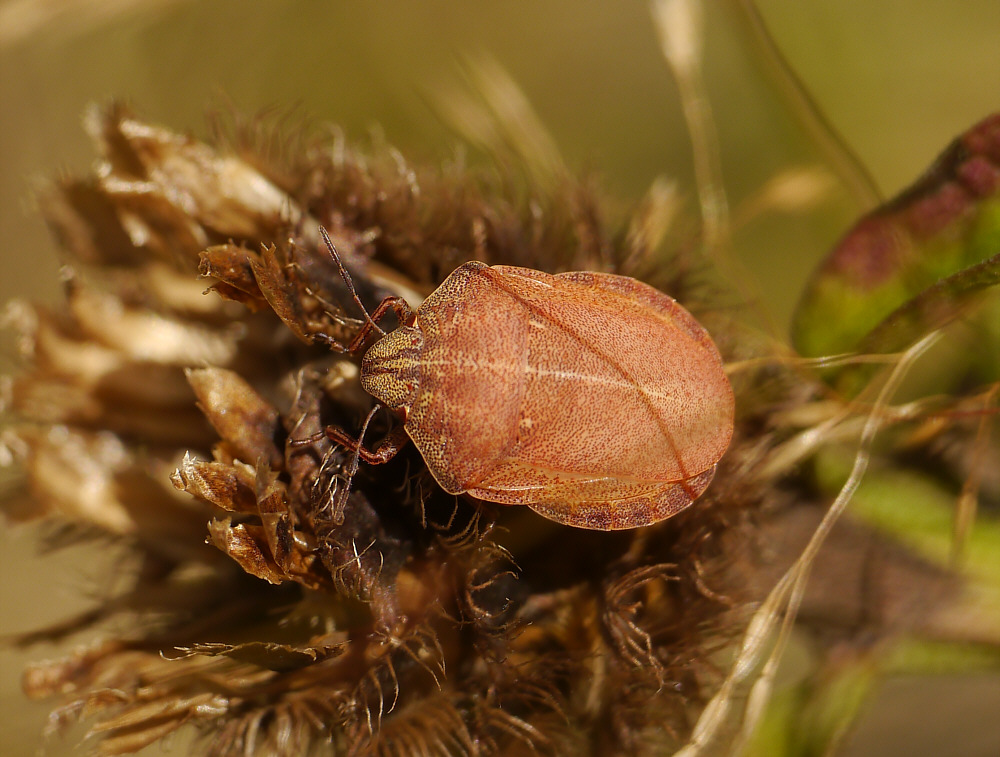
(244, 419)
(244, 544)
(227, 485)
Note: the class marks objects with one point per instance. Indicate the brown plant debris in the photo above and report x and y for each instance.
(413, 622)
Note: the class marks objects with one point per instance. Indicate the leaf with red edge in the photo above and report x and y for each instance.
(947, 222)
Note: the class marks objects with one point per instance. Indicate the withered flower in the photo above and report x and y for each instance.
(412, 620)
(407, 621)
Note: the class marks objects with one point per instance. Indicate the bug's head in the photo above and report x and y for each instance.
(390, 370)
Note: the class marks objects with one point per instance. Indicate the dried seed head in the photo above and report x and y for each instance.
(395, 617)
(378, 609)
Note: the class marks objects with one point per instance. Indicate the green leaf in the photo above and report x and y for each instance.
(932, 308)
(914, 263)
(917, 510)
(812, 717)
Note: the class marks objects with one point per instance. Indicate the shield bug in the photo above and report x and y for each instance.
(593, 399)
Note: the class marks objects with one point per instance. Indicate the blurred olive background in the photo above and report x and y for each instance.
(896, 78)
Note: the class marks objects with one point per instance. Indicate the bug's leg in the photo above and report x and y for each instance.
(398, 305)
(307, 441)
(383, 452)
(403, 311)
(328, 341)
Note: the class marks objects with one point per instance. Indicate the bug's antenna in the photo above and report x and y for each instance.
(347, 280)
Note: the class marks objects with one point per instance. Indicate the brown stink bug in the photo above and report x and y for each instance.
(593, 399)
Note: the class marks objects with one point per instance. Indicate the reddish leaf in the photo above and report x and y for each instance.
(947, 222)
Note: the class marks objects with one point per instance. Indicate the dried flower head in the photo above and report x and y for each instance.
(410, 620)
(400, 620)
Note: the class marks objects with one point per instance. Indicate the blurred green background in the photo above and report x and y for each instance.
(897, 79)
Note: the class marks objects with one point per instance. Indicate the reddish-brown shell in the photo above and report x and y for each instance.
(594, 399)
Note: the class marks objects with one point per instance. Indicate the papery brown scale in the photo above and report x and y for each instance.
(239, 414)
(230, 486)
(220, 191)
(86, 223)
(280, 284)
(232, 266)
(280, 658)
(73, 475)
(43, 679)
(132, 740)
(142, 333)
(244, 543)
(164, 288)
(295, 558)
(154, 223)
